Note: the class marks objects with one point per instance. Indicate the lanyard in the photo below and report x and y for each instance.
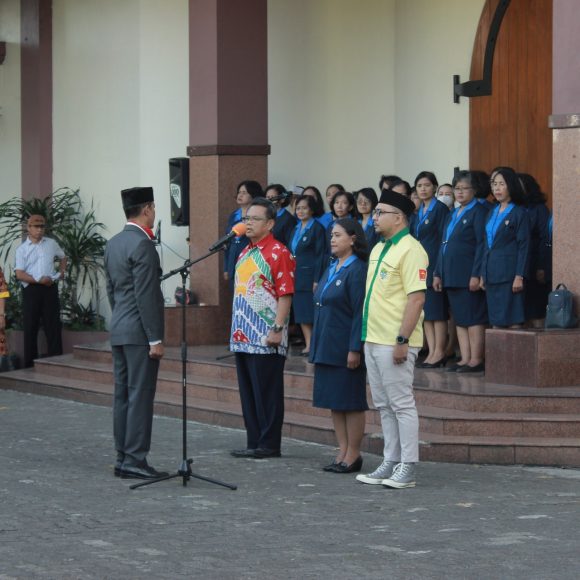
(423, 215)
(370, 223)
(551, 227)
(455, 217)
(494, 222)
(333, 273)
(298, 232)
(280, 212)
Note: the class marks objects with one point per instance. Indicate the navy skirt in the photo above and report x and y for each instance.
(339, 388)
(536, 299)
(503, 306)
(468, 308)
(436, 305)
(303, 306)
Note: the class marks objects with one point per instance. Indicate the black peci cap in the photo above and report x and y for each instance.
(136, 196)
(398, 200)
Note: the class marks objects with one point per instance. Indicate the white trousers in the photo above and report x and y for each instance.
(392, 391)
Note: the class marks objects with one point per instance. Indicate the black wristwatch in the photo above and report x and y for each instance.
(402, 340)
(277, 328)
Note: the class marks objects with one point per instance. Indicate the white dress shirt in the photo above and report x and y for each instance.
(37, 260)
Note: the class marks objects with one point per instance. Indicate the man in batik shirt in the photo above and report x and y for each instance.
(263, 288)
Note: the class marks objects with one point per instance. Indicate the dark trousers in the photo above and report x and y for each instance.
(40, 303)
(135, 383)
(261, 382)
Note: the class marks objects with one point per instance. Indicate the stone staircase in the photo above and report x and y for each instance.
(462, 418)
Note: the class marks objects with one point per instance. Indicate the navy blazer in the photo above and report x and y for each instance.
(235, 247)
(310, 256)
(371, 237)
(463, 250)
(284, 227)
(510, 254)
(431, 234)
(338, 316)
(539, 215)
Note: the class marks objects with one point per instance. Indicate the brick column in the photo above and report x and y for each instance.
(228, 141)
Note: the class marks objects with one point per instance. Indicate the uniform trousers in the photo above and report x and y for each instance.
(40, 303)
(392, 392)
(261, 382)
(135, 384)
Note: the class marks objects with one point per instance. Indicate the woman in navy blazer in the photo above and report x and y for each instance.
(285, 221)
(536, 295)
(366, 201)
(458, 269)
(507, 249)
(339, 375)
(308, 248)
(245, 193)
(427, 226)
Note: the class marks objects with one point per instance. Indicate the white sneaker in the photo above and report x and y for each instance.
(403, 476)
(383, 471)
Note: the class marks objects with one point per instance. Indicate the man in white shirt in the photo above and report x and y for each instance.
(36, 271)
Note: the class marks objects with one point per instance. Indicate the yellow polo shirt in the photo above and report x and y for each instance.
(397, 267)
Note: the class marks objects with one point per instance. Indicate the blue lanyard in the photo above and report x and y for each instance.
(494, 222)
(455, 217)
(370, 223)
(280, 212)
(333, 273)
(551, 227)
(423, 215)
(298, 232)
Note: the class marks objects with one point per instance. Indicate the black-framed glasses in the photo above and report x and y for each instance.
(254, 218)
(379, 212)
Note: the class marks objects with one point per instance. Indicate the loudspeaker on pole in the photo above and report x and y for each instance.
(179, 190)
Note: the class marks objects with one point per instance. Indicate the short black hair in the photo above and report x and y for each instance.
(337, 185)
(252, 187)
(265, 202)
(351, 201)
(136, 210)
(318, 196)
(353, 228)
(280, 190)
(427, 175)
(513, 183)
(312, 204)
(405, 184)
(480, 182)
(388, 179)
(370, 194)
(532, 191)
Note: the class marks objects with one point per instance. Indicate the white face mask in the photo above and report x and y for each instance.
(446, 199)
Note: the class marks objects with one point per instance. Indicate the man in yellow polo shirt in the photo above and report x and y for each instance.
(392, 329)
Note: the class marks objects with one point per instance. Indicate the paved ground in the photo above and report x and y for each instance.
(63, 514)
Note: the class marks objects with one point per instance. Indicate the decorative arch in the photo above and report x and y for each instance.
(510, 126)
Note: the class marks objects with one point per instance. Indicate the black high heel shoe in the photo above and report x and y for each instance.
(436, 365)
(355, 466)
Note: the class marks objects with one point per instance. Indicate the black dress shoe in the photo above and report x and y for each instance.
(467, 369)
(454, 368)
(141, 472)
(243, 453)
(355, 466)
(118, 467)
(436, 365)
(330, 466)
(262, 453)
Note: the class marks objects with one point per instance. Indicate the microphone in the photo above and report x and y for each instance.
(157, 238)
(237, 230)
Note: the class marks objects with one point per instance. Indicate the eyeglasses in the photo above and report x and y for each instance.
(379, 212)
(253, 218)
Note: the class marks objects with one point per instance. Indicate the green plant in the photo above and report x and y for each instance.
(79, 235)
(13, 308)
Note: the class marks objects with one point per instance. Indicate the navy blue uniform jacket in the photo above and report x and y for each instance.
(284, 227)
(464, 249)
(235, 247)
(338, 316)
(431, 234)
(539, 215)
(510, 254)
(310, 256)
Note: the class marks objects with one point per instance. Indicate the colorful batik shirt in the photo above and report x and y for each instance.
(264, 273)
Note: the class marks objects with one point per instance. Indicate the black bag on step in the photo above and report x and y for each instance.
(560, 309)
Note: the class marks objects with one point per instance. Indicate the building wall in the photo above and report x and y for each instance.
(10, 142)
(121, 105)
(331, 95)
(434, 42)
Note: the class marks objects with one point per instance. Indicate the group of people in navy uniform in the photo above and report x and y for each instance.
(488, 243)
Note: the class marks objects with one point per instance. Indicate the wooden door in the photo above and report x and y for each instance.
(510, 126)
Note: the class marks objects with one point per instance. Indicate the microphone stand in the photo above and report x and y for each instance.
(184, 471)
